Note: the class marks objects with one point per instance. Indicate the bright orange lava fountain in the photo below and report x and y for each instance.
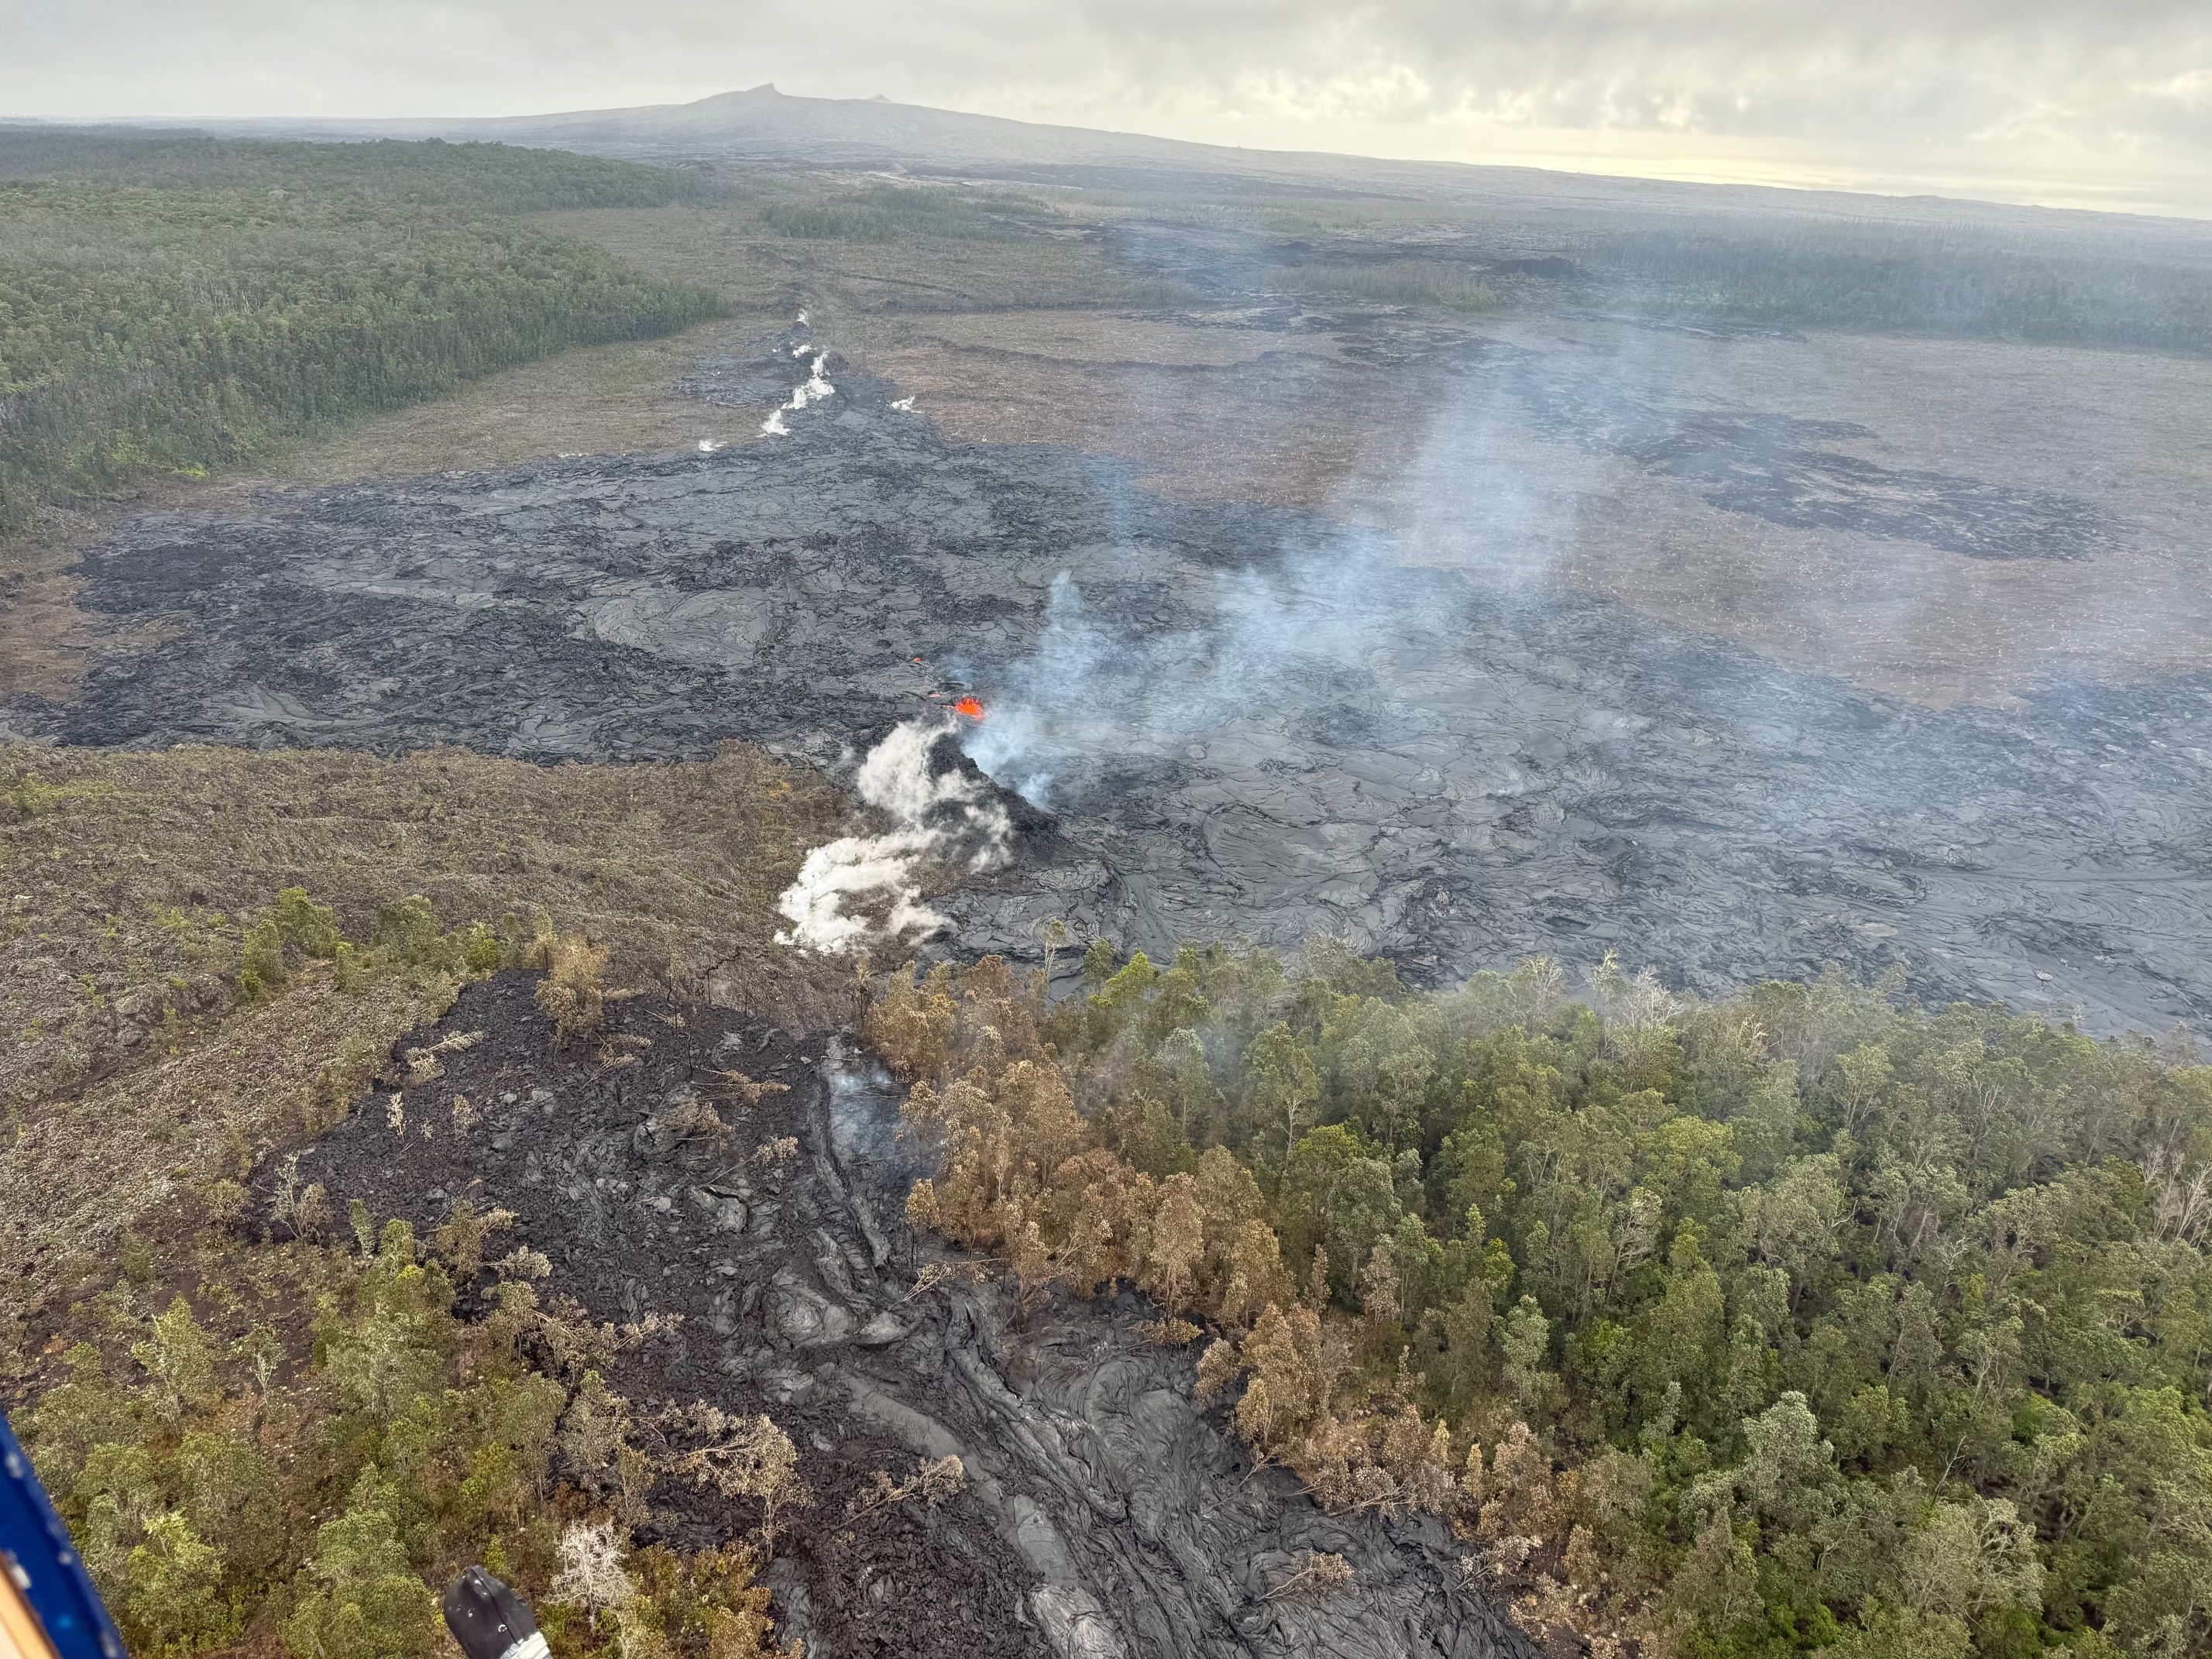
(970, 707)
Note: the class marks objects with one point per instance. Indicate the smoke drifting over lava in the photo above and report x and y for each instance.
(1257, 720)
(1250, 643)
(1507, 473)
(1094, 687)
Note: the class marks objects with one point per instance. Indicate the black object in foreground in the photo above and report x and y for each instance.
(489, 1621)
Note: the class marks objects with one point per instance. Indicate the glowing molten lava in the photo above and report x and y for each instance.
(970, 707)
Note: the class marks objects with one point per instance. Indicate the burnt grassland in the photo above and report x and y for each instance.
(171, 1013)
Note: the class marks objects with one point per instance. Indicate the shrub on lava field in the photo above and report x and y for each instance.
(297, 920)
(408, 932)
(738, 1457)
(574, 991)
(300, 920)
(260, 961)
(910, 1024)
(367, 1603)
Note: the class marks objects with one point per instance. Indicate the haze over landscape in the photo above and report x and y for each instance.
(2066, 102)
(1047, 830)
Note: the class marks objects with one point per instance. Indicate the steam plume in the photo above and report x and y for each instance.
(816, 388)
(947, 816)
(1090, 689)
(1474, 492)
(813, 390)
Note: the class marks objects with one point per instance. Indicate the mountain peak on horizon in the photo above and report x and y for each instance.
(763, 122)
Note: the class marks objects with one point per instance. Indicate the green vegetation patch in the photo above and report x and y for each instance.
(1897, 280)
(177, 305)
(479, 178)
(292, 1447)
(1802, 1322)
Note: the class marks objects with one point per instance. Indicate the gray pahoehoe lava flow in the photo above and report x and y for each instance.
(1241, 718)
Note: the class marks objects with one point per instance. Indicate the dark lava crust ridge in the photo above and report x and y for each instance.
(1104, 1513)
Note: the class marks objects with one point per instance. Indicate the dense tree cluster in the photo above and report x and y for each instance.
(477, 178)
(1918, 282)
(174, 305)
(1803, 1320)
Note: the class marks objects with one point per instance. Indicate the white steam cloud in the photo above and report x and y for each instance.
(1470, 489)
(1323, 609)
(813, 390)
(816, 388)
(862, 888)
(1092, 689)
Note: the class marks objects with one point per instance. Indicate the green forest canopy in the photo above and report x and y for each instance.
(1895, 1326)
(1859, 1330)
(176, 304)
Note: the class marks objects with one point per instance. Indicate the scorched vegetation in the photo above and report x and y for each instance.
(206, 953)
(292, 1455)
(1803, 1320)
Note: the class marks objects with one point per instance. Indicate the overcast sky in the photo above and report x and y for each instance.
(2076, 103)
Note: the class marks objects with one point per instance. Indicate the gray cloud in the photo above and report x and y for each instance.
(2110, 96)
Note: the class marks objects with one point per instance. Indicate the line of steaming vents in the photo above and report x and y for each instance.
(813, 390)
(863, 888)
